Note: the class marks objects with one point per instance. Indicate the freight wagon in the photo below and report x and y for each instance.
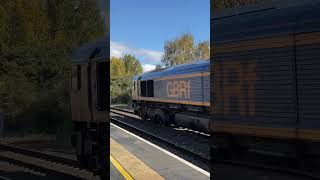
(176, 95)
(265, 79)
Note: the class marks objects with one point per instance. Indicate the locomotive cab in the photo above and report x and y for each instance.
(89, 104)
(135, 94)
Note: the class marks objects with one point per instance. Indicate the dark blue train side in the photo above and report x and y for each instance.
(168, 94)
(266, 81)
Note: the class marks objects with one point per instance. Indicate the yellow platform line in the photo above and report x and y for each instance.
(124, 173)
(131, 164)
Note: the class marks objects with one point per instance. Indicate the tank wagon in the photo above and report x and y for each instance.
(89, 104)
(176, 95)
(265, 75)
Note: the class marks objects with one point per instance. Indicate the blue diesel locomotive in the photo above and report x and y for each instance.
(176, 95)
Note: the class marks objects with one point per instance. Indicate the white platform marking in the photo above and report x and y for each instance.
(166, 152)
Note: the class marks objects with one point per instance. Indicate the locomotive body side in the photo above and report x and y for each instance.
(179, 89)
(263, 62)
(178, 85)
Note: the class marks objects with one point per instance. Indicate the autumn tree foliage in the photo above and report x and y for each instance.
(122, 71)
(183, 49)
(37, 38)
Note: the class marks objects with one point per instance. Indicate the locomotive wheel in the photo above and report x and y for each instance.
(158, 119)
(161, 118)
(144, 117)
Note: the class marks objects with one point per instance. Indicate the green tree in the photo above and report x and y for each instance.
(122, 71)
(202, 51)
(178, 51)
(4, 19)
(36, 40)
(117, 68)
(132, 65)
(183, 49)
(158, 67)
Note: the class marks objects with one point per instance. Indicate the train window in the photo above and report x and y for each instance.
(78, 77)
(143, 88)
(150, 88)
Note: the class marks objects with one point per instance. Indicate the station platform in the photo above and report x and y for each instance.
(132, 157)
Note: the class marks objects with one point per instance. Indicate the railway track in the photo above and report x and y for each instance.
(123, 110)
(248, 163)
(133, 115)
(185, 151)
(50, 166)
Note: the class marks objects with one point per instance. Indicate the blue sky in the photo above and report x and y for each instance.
(141, 27)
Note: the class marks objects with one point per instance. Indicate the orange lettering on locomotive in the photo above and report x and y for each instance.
(179, 89)
(250, 78)
(232, 88)
(176, 89)
(216, 89)
(169, 89)
(183, 89)
(189, 88)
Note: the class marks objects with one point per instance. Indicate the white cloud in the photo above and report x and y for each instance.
(145, 55)
(148, 67)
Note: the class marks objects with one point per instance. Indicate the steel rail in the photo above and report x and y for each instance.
(161, 140)
(37, 154)
(258, 166)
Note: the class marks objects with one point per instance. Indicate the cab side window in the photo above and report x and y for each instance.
(150, 88)
(143, 88)
(147, 89)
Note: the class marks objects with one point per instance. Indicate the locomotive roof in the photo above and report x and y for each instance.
(97, 49)
(263, 5)
(193, 67)
(264, 20)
